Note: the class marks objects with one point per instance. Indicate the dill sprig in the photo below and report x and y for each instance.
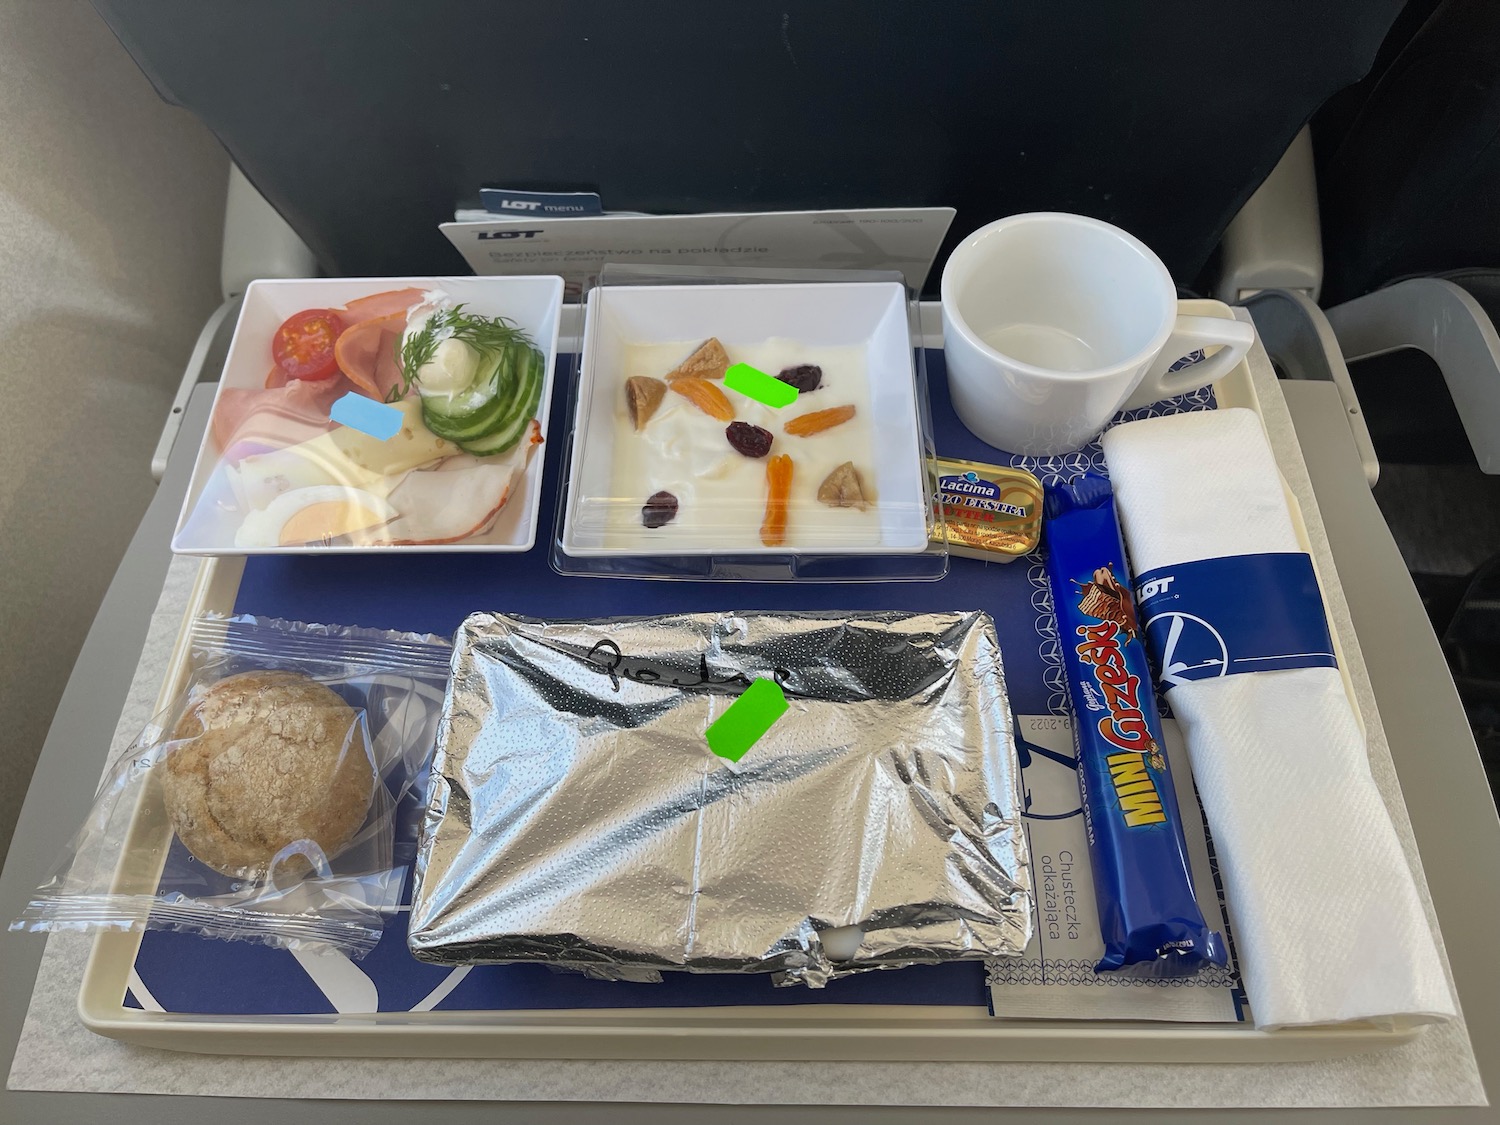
(485, 334)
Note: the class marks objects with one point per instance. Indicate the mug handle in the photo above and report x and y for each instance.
(1232, 337)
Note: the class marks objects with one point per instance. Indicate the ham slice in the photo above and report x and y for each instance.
(274, 417)
(366, 353)
(387, 363)
(380, 305)
(291, 410)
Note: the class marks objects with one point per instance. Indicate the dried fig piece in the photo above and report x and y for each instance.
(843, 488)
(710, 361)
(643, 395)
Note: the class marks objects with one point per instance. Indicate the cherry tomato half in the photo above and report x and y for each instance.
(303, 345)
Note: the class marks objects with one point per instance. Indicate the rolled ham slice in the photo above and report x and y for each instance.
(380, 305)
(275, 417)
(366, 353)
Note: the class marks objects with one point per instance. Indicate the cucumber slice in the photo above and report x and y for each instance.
(504, 437)
(474, 424)
(503, 385)
(501, 440)
(478, 410)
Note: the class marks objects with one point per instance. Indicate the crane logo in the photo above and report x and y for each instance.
(1189, 647)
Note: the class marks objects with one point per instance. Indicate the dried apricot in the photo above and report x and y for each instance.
(706, 397)
(805, 425)
(778, 490)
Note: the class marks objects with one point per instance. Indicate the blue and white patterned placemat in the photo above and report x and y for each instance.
(183, 973)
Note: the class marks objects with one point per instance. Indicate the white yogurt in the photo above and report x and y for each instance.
(721, 494)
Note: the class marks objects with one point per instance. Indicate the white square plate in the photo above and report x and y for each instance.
(867, 321)
(532, 303)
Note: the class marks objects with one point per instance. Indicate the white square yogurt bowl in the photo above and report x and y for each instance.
(869, 318)
(534, 304)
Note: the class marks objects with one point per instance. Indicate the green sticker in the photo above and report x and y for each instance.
(754, 383)
(749, 717)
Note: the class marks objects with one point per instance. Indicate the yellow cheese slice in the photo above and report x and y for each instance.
(343, 456)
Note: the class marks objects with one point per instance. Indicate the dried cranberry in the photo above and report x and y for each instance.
(805, 377)
(659, 510)
(750, 440)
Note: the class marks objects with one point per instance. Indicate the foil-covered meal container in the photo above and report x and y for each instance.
(577, 816)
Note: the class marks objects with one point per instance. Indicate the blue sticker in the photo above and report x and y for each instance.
(1241, 613)
(553, 204)
(377, 419)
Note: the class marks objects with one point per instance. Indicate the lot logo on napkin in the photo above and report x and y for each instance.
(1190, 648)
(1241, 613)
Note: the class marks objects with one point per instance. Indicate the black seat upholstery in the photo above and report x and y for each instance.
(365, 123)
(1409, 159)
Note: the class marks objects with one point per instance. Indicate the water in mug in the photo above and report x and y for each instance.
(1042, 345)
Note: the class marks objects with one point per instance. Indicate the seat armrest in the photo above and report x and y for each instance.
(1302, 345)
(1446, 322)
(192, 375)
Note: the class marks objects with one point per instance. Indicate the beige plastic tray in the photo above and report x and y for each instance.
(854, 1032)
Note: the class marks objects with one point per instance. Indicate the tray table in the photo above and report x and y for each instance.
(931, 1012)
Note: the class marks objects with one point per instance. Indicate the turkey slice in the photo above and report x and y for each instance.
(460, 498)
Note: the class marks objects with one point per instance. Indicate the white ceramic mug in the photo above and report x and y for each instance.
(1053, 322)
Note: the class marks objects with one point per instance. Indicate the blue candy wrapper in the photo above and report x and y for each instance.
(1147, 910)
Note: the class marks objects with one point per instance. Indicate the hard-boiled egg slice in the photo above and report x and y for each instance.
(316, 514)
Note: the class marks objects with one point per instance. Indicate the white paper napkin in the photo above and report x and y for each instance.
(1327, 922)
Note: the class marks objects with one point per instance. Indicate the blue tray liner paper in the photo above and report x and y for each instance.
(433, 593)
